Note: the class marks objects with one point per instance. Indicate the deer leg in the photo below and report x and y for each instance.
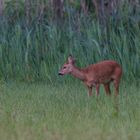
(116, 80)
(89, 91)
(116, 86)
(107, 89)
(97, 89)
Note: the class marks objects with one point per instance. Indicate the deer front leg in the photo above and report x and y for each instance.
(89, 91)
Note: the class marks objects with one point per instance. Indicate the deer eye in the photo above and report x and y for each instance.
(64, 67)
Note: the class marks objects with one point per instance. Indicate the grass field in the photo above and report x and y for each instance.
(34, 45)
(40, 111)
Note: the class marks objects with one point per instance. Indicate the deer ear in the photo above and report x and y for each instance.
(71, 60)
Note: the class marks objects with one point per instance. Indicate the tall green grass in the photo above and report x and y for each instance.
(37, 51)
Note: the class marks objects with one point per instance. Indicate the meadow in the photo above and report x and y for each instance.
(37, 104)
(41, 111)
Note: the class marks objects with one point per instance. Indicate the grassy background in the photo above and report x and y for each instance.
(39, 52)
(64, 112)
(35, 51)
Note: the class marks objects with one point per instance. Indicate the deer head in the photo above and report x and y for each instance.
(67, 67)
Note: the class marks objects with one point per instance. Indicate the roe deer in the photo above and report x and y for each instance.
(103, 72)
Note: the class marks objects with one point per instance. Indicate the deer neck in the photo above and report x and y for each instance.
(78, 73)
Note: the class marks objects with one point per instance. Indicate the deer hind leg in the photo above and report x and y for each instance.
(107, 89)
(97, 89)
(116, 86)
(116, 80)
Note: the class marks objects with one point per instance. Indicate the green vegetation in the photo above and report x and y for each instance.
(36, 50)
(39, 52)
(64, 112)
(35, 41)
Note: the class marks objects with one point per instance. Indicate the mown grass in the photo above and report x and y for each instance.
(40, 111)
